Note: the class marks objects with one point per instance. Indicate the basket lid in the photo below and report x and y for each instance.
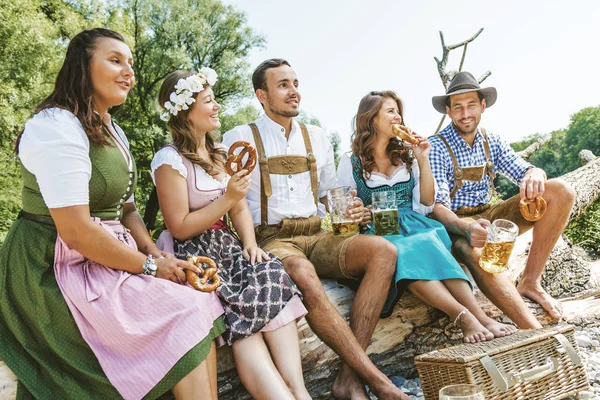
(468, 352)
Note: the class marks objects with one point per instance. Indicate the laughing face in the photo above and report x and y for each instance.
(465, 111)
(388, 115)
(111, 73)
(282, 97)
(204, 114)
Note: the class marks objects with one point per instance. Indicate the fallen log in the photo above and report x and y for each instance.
(415, 328)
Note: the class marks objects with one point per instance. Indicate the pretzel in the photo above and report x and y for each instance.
(247, 149)
(200, 282)
(540, 209)
(401, 132)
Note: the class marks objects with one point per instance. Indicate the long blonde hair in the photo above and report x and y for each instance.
(182, 130)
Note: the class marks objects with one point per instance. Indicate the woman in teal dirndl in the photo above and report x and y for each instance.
(380, 161)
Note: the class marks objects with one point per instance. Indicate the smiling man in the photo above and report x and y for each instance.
(286, 198)
(464, 160)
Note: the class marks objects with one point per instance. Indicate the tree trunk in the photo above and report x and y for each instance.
(414, 328)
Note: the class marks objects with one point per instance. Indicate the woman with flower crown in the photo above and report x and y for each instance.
(381, 161)
(195, 193)
(89, 307)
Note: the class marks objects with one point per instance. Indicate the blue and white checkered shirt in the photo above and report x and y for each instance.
(471, 194)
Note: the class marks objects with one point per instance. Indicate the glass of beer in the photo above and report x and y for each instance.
(461, 392)
(340, 201)
(500, 242)
(385, 213)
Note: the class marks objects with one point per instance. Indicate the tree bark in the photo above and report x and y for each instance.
(535, 146)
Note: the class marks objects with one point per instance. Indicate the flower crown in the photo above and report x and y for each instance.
(183, 95)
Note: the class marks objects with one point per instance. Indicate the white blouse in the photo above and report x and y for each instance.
(346, 178)
(169, 156)
(55, 148)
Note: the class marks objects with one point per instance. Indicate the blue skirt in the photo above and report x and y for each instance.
(423, 254)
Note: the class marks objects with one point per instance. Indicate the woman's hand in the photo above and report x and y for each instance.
(254, 254)
(172, 269)
(238, 185)
(367, 216)
(421, 150)
(355, 211)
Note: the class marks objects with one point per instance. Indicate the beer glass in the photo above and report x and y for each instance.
(340, 200)
(461, 392)
(500, 242)
(385, 213)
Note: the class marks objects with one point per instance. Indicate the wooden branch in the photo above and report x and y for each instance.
(441, 64)
(586, 156)
(484, 76)
(533, 147)
(586, 182)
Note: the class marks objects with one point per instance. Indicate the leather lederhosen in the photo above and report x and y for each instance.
(474, 174)
(283, 165)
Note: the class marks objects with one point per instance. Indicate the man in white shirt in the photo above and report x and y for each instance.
(286, 198)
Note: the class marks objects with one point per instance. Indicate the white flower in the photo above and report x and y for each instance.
(211, 75)
(183, 96)
(182, 85)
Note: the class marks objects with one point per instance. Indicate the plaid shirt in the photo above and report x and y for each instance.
(505, 160)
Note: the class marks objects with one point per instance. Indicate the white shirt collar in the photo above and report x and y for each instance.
(274, 127)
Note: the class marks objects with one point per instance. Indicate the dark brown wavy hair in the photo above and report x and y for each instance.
(73, 87)
(182, 131)
(364, 135)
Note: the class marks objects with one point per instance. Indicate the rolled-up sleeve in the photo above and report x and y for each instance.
(55, 148)
(509, 163)
(440, 167)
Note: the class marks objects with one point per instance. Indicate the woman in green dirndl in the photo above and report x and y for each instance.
(89, 307)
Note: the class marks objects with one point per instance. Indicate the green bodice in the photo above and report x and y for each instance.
(110, 185)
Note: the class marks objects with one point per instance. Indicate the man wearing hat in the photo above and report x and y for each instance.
(465, 159)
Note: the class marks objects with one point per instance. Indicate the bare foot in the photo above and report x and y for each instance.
(540, 296)
(348, 386)
(472, 330)
(498, 329)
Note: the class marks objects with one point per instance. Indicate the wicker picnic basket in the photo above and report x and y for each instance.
(535, 364)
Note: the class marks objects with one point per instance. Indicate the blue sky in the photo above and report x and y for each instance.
(543, 56)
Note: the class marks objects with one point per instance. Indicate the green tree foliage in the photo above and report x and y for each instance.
(171, 35)
(240, 116)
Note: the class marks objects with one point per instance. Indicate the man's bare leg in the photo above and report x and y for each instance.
(560, 198)
(374, 259)
(496, 287)
(328, 324)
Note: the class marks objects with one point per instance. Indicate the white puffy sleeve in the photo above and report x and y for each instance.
(55, 148)
(344, 172)
(168, 156)
(416, 195)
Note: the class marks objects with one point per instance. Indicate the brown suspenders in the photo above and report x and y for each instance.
(471, 173)
(283, 165)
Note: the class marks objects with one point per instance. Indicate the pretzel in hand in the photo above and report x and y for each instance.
(539, 210)
(405, 134)
(200, 282)
(237, 159)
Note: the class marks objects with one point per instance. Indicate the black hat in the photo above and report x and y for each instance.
(464, 82)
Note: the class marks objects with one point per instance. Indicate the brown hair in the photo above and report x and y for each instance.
(73, 87)
(182, 131)
(258, 76)
(364, 135)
